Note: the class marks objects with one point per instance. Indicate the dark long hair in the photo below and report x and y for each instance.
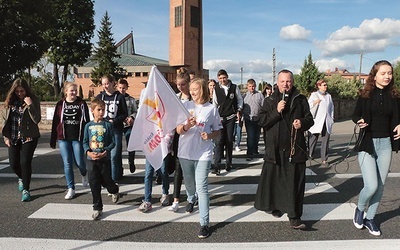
(370, 82)
(11, 96)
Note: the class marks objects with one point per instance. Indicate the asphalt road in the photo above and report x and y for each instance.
(37, 225)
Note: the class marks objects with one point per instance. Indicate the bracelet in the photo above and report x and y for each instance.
(183, 127)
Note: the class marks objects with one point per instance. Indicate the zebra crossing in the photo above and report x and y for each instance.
(239, 184)
(231, 195)
(226, 213)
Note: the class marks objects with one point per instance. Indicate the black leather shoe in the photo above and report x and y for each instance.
(228, 167)
(297, 224)
(277, 213)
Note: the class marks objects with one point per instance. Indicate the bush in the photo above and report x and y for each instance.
(342, 88)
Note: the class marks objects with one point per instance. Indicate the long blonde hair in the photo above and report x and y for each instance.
(205, 96)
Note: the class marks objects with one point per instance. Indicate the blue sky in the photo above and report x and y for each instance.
(243, 33)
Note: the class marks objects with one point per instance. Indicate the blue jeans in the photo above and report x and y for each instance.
(72, 150)
(195, 174)
(116, 158)
(148, 179)
(237, 134)
(374, 169)
(131, 154)
(253, 136)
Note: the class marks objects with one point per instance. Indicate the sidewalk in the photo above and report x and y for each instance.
(343, 127)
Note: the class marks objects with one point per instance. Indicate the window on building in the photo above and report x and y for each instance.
(145, 74)
(178, 16)
(195, 16)
(137, 74)
(86, 75)
(79, 75)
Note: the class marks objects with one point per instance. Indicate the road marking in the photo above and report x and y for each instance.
(239, 172)
(213, 189)
(312, 212)
(235, 161)
(34, 243)
(38, 176)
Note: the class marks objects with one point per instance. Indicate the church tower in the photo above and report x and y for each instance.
(186, 36)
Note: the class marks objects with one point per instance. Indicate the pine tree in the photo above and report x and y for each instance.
(309, 75)
(106, 53)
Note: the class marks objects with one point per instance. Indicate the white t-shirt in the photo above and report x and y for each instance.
(191, 145)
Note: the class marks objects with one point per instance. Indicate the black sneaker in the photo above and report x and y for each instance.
(132, 168)
(216, 171)
(189, 207)
(204, 232)
(358, 220)
(372, 227)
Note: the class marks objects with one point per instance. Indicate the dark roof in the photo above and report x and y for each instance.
(132, 60)
(128, 56)
(126, 45)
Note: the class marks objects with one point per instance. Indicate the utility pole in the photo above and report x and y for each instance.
(359, 73)
(273, 66)
(241, 76)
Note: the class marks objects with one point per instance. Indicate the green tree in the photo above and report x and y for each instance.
(105, 54)
(308, 76)
(70, 37)
(342, 88)
(396, 74)
(22, 41)
(41, 85)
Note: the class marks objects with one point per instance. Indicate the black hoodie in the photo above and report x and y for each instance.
(116, 109)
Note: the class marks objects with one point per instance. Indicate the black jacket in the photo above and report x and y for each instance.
(270, 118)
(363, 110)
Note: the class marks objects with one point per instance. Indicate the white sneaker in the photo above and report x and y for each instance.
(115, 197)
(85, 180)
(174, 207)
(145, 206)
(97, 214)
(237, 149)
(164, 200)
(70, 194)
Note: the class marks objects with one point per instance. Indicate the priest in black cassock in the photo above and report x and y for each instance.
(285, 116)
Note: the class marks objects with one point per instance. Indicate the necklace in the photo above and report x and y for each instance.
(293, 136)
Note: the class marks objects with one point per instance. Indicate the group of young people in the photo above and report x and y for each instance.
(285, 115)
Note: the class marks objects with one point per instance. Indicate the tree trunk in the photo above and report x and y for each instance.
(64, 75)
(56, 81)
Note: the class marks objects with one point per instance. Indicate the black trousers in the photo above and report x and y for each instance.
(21, 156)
(225, 140)
(100, 176)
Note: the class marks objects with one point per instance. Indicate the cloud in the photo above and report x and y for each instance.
(294, 32)
(259, 70)
(373, 35)
(324, 65)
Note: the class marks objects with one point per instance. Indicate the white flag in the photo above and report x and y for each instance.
(160, 112)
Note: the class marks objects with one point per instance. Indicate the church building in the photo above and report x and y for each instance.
(185, 50)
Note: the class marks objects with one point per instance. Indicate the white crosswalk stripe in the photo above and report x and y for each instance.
(217, 213)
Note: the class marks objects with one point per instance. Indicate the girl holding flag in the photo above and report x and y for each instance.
(196, 148)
